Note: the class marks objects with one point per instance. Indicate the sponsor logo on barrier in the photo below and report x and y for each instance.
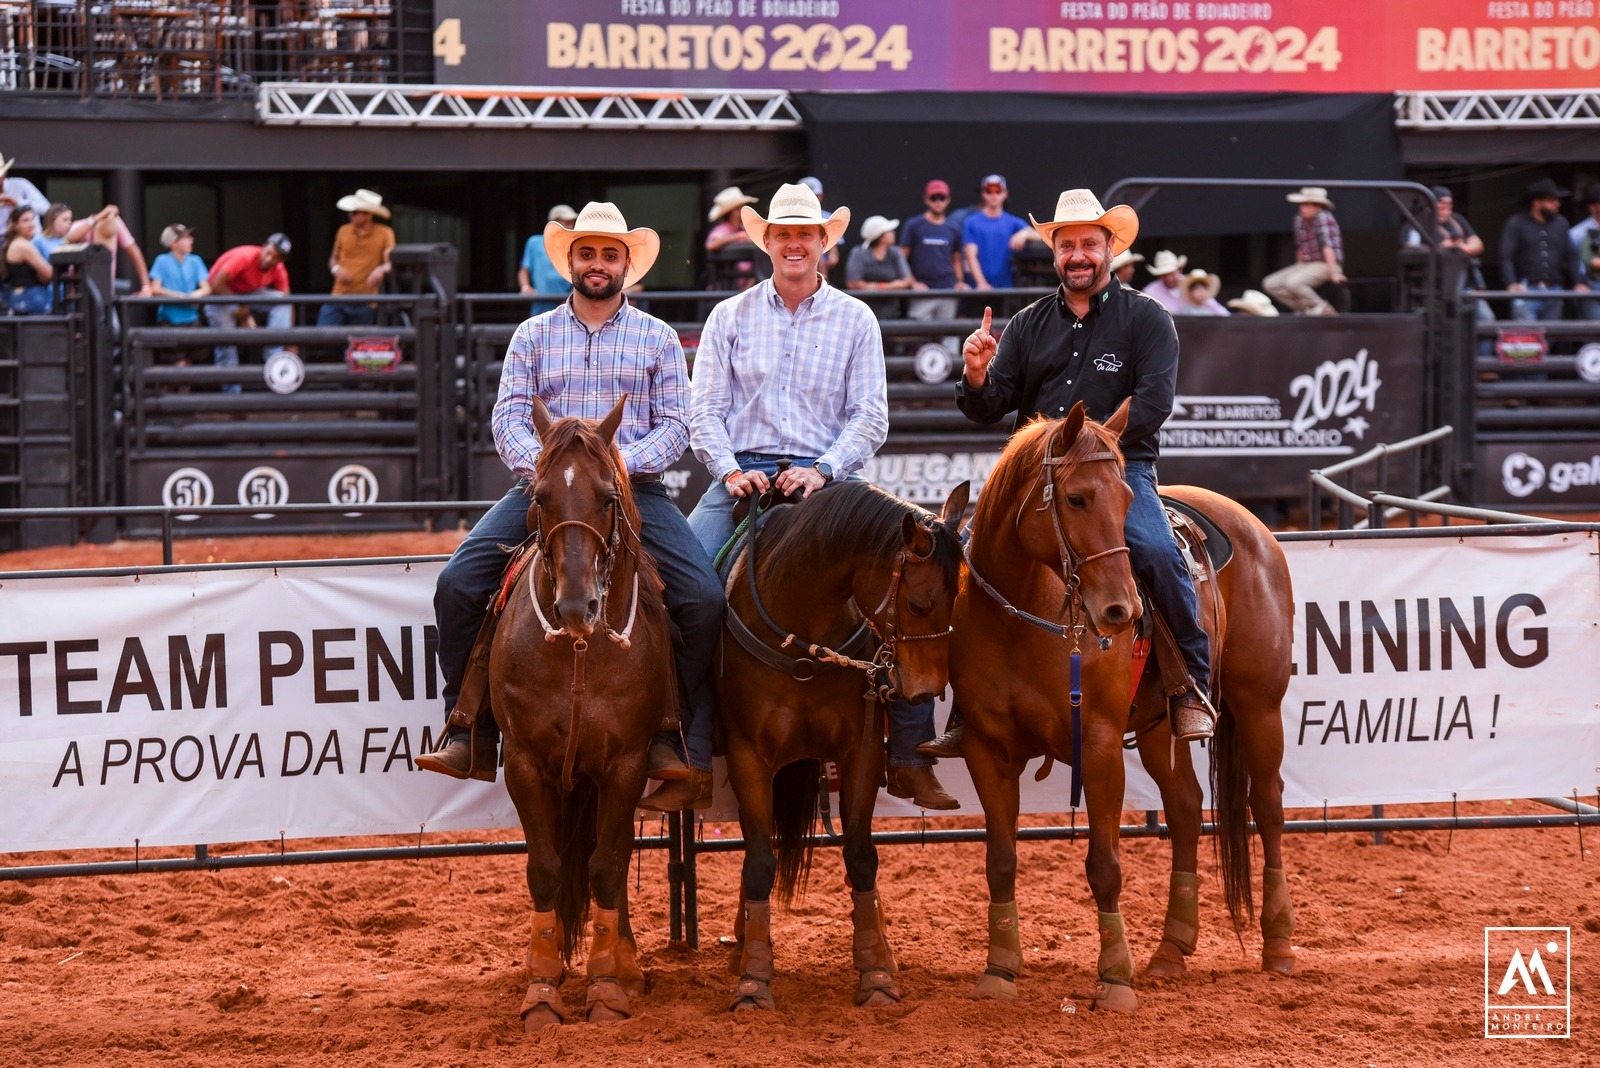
(1527, 982)
(188, 487)
(263, 486)
(1522, 475)
(353, 484)
(1588, 362)
(928, 477)
(284, 371)
(372, 355)
(1521, 346)
(933, 363)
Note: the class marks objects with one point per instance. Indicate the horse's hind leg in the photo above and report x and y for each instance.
(629, 974)
(609, 961)
(1182, 801)
(999, 793)
(870, 950)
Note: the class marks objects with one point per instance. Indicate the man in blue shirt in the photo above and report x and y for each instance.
(991, 236)
(537, 274)
(932, 246)
(178, 272)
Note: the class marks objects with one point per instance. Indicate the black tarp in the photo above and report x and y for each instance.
(874, 151)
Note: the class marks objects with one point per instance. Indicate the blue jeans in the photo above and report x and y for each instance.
(1158, 564)
(694, 600)
(1531, 308)
(347, 315)
(29, 300)
(263, 304)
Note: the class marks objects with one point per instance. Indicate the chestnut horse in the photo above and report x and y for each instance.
(840, 598)
(580, 673)
(1047, 541)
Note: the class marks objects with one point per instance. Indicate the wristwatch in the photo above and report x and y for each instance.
(825, 470)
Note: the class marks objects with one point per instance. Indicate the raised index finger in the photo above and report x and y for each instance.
(988, 317)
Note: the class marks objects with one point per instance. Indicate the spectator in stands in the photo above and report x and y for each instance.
(537, 274)
(1318, 255)
(1123, 266)
(1255, 303)
(1456, 237)
(53, 229)
(728, 229)
(1536, 253)
(1167, 286)
(830, 259)
(257, 275)
(28, 274)
(15, 191)
(990, 238)
(931, 244)
(359, 261)
(1586, 239)
(106, 228)
(178, 272)
(1200, 294)
(877, 263)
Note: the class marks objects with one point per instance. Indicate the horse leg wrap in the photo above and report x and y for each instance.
(1183, 911)
(606, 1000)
(1005, 939)
(1277, 922)
(755, 958)
(873, 957)
(544, 949)
(541, 994)
(632, 977)
(1114, 992)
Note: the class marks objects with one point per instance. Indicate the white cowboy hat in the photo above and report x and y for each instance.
(1078, 206)
(1254, 302)
(1165, 263)
(604, 219)
(1200, 276)
(796, 205)
(1311, 194)
(1123, 258)
(875, 227)
(725, 201)
(561, 213)
(364, 200)
(5, 164)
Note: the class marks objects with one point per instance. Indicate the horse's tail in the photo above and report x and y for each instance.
(577, 833)
(794, 820)
(1230, 793)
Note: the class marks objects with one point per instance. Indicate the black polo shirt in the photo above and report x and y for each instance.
(1049, 359)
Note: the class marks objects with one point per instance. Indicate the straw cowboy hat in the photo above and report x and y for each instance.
(1076, 207)
(1123, 258)
(364, 200)
(1200, 276)
(1311, 194)
(5, 164)
(725, 201)
(604, 219)
(1165, 263)
(1254, 302)
(875, 227)
(795, 205)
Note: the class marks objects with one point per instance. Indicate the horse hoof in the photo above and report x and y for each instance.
(607, 1002)
(1277, 956)
(538, 1018)
(1114, 997)
(995, 987)
(1166, 962)
(877, 990)
(636, 986)
(751, 995)
(599, 1013)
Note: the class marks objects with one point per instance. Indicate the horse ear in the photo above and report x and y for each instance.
(918, 539)
(955, 506)
(541, 418)
(1118, 423)
(1072, 425)
(613, 419)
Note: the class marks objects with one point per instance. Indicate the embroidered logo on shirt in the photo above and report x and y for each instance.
(1108, 362)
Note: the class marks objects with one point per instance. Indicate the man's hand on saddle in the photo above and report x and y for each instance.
(801, 480)
(979, 350)
(744, 483)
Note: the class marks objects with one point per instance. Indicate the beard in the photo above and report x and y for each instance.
(603, 291)
(1102, 271)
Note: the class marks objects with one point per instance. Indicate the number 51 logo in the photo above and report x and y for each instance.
(1527, 982)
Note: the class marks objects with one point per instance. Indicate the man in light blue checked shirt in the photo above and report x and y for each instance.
(580, 358)
(792, 369)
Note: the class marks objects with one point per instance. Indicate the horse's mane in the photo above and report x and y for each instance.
(572, 433)
(1015, 473)
(845, 514)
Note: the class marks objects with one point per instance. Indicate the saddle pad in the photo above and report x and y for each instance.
(1218, 545)
(520, 557)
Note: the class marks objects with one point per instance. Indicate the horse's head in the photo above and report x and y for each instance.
(1072, 517)
(581, 507)
(914, 613)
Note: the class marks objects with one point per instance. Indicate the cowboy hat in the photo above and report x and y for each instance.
(1123, 258)
(1165, 263)
(364, 200)
(795, 205)
(725, 201)
(1544, 187)
(1077, 207)
(604, 219)
(1200, 276)
(1311, 194)
(5, 164)
(875, 227)
(1254, 302)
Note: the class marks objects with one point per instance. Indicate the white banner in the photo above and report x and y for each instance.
(241, 705)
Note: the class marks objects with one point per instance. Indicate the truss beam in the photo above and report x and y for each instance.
(1512, 110)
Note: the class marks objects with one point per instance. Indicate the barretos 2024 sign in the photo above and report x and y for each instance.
(1022, 45)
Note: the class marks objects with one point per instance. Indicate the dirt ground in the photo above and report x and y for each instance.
(421, 962)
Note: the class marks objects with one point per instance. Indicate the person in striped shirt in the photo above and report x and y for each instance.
(580, 358)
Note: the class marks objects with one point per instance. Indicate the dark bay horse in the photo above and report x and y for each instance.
(579, 675)
(851, 578)
(1047, 537)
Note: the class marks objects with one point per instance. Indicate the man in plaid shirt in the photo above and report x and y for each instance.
(1318, 255)
(580, 358)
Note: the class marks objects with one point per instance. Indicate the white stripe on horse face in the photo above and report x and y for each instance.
(569, 474)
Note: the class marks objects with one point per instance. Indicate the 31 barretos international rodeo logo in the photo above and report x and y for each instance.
(188, 487)
(1527, 982)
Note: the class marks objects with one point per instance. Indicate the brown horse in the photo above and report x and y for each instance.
(579, 675)
(849, 594)
(1047, 539)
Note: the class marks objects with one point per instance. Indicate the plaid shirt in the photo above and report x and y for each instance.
(805, 384)
(577, 373)
(1311, 237)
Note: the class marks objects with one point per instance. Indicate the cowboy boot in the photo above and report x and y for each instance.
(468, 750)
(665, 763)
(947, 744)
(693, 792)
(1193, 717)
(920, 785)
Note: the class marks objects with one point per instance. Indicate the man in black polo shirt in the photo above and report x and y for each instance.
(1536, 253)
(1097, 341)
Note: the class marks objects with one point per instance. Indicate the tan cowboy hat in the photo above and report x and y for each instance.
(1078, 206)
(796, 205)
(1254, 302)
(1311, 194)
(1165, 263)
(5, 164)
(604, 219)
(725, 201)
(1200, 276)
(875, 227)
(364, 200)
(1123, 258)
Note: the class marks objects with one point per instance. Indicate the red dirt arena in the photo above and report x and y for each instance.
(421, 962)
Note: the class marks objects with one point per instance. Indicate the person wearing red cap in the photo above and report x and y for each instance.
(932, 246)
